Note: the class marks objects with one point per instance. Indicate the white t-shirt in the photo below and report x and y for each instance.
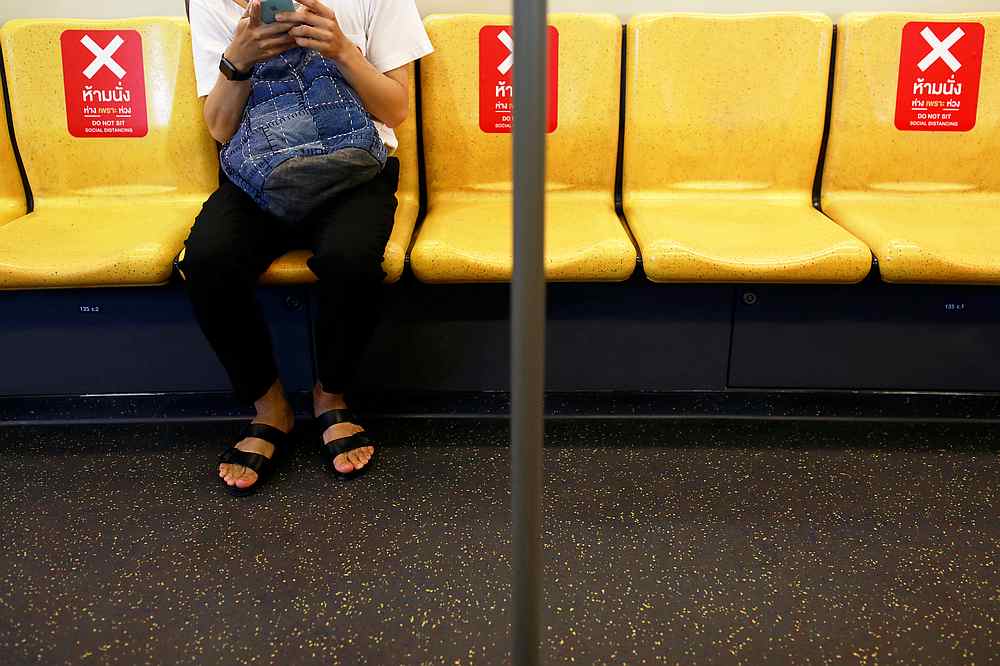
(388, 32)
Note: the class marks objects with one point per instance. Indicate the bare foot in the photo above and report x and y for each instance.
(351, 461)
(273, 410)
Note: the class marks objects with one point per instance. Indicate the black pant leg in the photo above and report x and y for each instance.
(350, 237)
(231, 244)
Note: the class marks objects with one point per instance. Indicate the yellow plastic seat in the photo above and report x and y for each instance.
(108, 211)
(928, 203)
(292, 268)
(467, 234)
(12, 201)
(724, 122)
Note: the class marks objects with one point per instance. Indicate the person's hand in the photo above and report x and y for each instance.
(255, 41)
(316, 27)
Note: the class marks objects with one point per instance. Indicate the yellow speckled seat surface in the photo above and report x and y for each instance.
(739, 239)
(76, 244)
(581, 243)
(12, 200)
(108, 211)
(928, 239)
(292, 268)
(928, 203)
(724, 122)
(467, 234)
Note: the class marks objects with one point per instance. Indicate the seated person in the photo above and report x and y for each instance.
(342, 209)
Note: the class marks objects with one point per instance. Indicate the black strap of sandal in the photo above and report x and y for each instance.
(269, 434)
(255, 461)
(345, 444)
(333, 417)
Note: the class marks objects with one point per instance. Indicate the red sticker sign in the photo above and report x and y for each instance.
(105, 83)
(496, 79)
(939, 75)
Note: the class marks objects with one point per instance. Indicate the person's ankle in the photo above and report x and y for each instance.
(274, 407)
(324, 402)
(279, 415)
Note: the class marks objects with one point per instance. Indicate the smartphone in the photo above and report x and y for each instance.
(269, 8)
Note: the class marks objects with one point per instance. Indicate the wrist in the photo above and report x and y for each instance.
(238, 61)
(348, 56)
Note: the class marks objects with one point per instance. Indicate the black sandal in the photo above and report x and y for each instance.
(262, 465)
(345, 444)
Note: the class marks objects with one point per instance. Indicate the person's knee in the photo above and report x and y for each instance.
(350, 265)
(206, 261)
(197, 261)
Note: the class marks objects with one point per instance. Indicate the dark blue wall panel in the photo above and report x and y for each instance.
(627, 337)
(100, 341)
(872, 336)
(635, 336)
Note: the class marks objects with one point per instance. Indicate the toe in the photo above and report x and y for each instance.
(343, 463)
(246, 480)
(233, 474)
(243, 478)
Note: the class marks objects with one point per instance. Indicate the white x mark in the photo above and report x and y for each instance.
(507, 41)
(940, 50)
(103, 57)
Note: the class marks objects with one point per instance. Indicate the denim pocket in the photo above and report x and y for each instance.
(342, 124)
(258, 144)
(277, 104)
(297, 131)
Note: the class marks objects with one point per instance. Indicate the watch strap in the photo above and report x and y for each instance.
(231, 72)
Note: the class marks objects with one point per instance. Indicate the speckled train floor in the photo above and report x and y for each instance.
(697, 543)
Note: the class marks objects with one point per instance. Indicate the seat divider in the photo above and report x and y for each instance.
(821, 163)
(620, 161)
(29, 199)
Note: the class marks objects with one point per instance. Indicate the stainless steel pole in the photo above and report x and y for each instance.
(528, 325)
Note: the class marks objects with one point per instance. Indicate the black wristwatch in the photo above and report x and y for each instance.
(229, 71)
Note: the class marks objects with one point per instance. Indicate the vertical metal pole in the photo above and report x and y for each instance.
(528, 325)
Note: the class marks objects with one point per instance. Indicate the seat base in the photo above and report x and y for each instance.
(471, 240)
(926, 239)
(741, 240)
(128, 243)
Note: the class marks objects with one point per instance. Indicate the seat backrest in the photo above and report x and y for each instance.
(868, 153)
(175, 158)
(409, 168)
(460, 156)
(12, 199)
(725, 103)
